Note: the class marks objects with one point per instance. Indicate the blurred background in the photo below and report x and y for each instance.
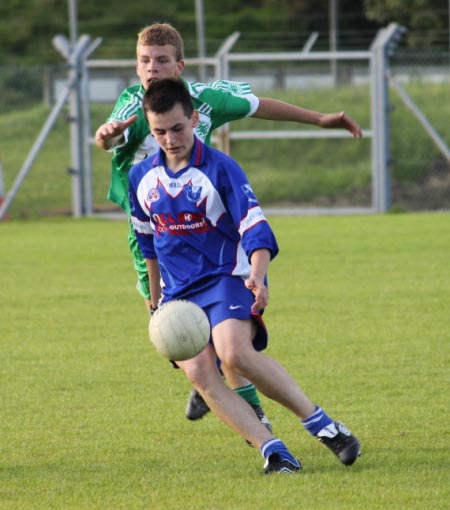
(309, 172)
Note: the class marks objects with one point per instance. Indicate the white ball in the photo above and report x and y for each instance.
(179, 330)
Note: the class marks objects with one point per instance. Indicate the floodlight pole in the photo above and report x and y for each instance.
(333, 20)
(73, 21)
(201, 45)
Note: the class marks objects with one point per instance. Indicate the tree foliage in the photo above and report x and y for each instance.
(28, 26)
(425, 19)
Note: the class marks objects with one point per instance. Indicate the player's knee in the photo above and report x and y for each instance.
(199, 372)
(236, 360)
(194, 373)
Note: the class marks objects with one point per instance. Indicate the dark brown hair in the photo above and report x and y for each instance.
(163, 95)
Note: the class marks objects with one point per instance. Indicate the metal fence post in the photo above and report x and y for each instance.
(85, 116)
(76, 137)
(380, 126)
(223, 74)
(81, 168)
(381, 49)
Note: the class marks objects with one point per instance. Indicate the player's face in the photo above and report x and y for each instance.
(156, 63)
(174, 133)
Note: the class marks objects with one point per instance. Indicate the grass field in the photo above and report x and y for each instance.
(93, 419)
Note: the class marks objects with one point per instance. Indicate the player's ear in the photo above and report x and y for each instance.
(180, 67)
(195, 118)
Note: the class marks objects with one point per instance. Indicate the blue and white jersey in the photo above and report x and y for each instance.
(201, 222)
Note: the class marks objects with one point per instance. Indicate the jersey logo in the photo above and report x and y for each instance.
(193, 193)
(248, 192)
(204, 124)
(153, 195)
(202, 130)
(183, 223)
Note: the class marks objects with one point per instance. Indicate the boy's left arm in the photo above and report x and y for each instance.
(273, 109)
(154, 280)
(259, 260)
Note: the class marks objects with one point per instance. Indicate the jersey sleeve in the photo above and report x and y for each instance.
(245, 210)
(139, 214)
(129, 103)
(224, 100)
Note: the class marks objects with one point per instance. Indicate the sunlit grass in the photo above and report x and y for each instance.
(92, 418)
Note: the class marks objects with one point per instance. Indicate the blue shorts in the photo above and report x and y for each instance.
(226, 297)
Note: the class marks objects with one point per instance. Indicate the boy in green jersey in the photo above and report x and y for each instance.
(126, 133)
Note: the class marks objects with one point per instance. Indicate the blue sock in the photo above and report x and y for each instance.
(277, 446)
(317, 421)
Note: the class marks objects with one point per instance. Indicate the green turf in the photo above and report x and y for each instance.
(92, 418)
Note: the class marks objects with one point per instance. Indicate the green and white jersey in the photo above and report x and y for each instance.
(217, 102)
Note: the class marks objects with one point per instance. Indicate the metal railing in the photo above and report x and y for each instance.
(225, 65)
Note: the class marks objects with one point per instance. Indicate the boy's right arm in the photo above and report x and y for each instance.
(110, 134)
(154, 277)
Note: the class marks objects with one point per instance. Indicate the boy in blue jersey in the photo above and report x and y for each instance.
(159, 53)
(204, 236)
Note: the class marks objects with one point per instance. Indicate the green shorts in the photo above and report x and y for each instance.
(143, 285)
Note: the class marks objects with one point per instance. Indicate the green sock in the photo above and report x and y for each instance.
(249, 394)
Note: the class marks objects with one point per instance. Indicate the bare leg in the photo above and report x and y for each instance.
(264, 372)
(234, 380)
(223, 401)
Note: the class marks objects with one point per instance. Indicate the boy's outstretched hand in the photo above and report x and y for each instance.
(108, 134)
(341, 120)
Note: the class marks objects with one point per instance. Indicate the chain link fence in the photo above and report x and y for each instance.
(420, 171)
(302, 173)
